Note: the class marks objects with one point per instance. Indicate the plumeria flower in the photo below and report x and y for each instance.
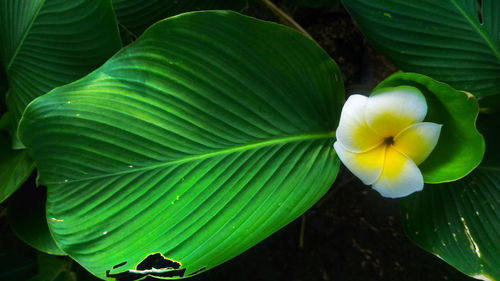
(381, 139)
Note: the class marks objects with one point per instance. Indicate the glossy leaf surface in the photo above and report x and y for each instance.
(45, 44)
(460, 221)
(137, 15)
(460, 147)
(453, 41)
(197, 141)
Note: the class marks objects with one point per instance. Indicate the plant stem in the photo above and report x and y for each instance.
(284, 17)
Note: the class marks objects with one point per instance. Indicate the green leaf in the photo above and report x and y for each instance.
(3, 89)
(48, 43)
(26, 216)
(196, 141)
(52, 268)
(17, 261)
(460, 221)
(137, 15)
(15, 167)
(460, 147)
(442, 39)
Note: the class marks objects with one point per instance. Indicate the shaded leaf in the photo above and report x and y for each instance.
(17, 261)
(45, 44)
(197, 141)
(137, 15)
(15, 167)
(460, 221)
(26, 215)
(453, 41)
(53, 268)
(460, 147)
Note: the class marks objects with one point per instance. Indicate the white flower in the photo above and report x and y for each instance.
(381, 139)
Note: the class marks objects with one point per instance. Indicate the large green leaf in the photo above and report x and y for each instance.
(442, 39)
(200, 139)
(15, 167)
(460, 221)
(26, 216)
(137, 15)
(460, 147)
(48, 43)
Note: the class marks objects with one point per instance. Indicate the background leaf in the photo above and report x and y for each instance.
(45, 44)
(26, 216)
(453, 41)
(460, 221)
(200, 139)
(137, 15)
(17, 261)
(53, 268)
(460, 147)
(15, 167)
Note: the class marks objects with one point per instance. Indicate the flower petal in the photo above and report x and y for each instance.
(353, 132)
(400, 176)
(366, 165)
(418, 140)
(394, 109)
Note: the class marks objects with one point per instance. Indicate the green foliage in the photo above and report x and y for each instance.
(195, 142)
(457, 112)
(45, 44)
(453, 41)
(15, 167)
(18, 260)
(137, 15)
(26, 216)
(459, 221)
(213, 130)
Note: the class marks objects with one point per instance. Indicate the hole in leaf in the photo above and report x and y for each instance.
(479, 9)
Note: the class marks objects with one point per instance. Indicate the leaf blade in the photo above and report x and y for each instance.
(50, 43)
(444, 39)
(194, 153)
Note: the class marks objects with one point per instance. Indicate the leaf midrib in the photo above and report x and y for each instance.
(479, 30)
(23, 38)
(244, 147)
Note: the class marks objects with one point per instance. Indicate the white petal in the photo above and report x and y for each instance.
(418, 140)
(400, 176)
(390, 110)
(365, 165)
(353, 132)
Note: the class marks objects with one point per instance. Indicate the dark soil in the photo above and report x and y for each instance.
(352, 233)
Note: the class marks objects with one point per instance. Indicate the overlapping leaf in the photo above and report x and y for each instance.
(460, 147)
(206, 135)
(48, 43)
(460, 221)
(137, 15)
(453, 41)
(26, 216)
(15, 167)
